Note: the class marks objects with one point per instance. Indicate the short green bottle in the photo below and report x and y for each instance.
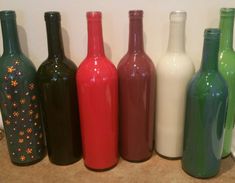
(206, 107)
(227, 69)
(19, 102)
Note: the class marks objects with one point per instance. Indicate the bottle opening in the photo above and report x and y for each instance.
(178, 16)
(212, 33)
(94, 15)
(136, 13)
(227, 11)
(7, 14)
(52, 15)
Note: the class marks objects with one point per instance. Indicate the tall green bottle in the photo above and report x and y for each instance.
(227, 69)
(19, 98)
(206, 107)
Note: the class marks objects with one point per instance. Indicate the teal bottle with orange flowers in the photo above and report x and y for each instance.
(19, 98)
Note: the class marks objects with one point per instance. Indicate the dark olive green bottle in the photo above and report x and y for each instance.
(19, 98)
(206, 108)
(56, 77)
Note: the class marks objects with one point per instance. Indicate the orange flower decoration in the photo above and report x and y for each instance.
(10, 69)
(21, 141)
(31, 86)
(22, 101)
(16, 114)
(14, 83)
(30, 112)
(29, 150)
(8, 96)
(33, 97)
(21, 133)
(14, 104)
(22, 158)
(7, 122)
(29, 130)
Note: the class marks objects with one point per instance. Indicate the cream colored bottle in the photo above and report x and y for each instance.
(174, 72)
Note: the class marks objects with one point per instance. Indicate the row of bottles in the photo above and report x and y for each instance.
(190, 110)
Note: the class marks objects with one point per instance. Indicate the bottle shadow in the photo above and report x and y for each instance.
(108, 51)
(226, 165)
(66, 42)
(23, 40)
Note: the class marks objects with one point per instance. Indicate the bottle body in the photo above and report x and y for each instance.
(174, 72)
(227, 69)
(136, 75)
(57, 84)
(19, 99)
(173, 75)
(137, 100)
(97, 88)
(206, 108)
(60, 111)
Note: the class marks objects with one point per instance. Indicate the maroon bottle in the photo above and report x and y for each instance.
(136, 74)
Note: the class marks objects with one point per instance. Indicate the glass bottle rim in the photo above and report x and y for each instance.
(94, 15)
(7, 14)
(52, 15)
(136, 13)
(212, 33)
(227, 12)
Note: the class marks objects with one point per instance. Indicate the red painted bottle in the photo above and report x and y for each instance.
(97, 87)
(136, 74)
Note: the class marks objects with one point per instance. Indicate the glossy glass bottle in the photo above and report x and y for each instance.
(174, 72)
(227, 69)
(19, 98)
(206, 108)
(97, 87)
(57, 84)
(136, 75)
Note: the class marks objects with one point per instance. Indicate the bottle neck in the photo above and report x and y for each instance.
(176, 41)
(54, 39)
(95, 38)
(210, 55)
(226, 27)
(136, 43)
(10, 38)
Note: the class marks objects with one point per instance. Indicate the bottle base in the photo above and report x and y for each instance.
(225, 156)
(136, 161)
(65, 163)
(101, 170)
(29, 163)
(167, 157)
(199, 177)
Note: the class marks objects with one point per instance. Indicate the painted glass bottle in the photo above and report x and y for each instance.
(57, 83)
(206, 108)
(174, 72)
(19, 98)
(97, 87)
(136, 75)
(227, 69)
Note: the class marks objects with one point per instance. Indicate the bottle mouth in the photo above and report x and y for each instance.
(212, 33)
(7, 14)
(94, 15)
(178, 16)
(136, 13)
(52, 15)
(227, 12)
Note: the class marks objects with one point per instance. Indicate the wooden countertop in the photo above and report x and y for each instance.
(155, 170)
